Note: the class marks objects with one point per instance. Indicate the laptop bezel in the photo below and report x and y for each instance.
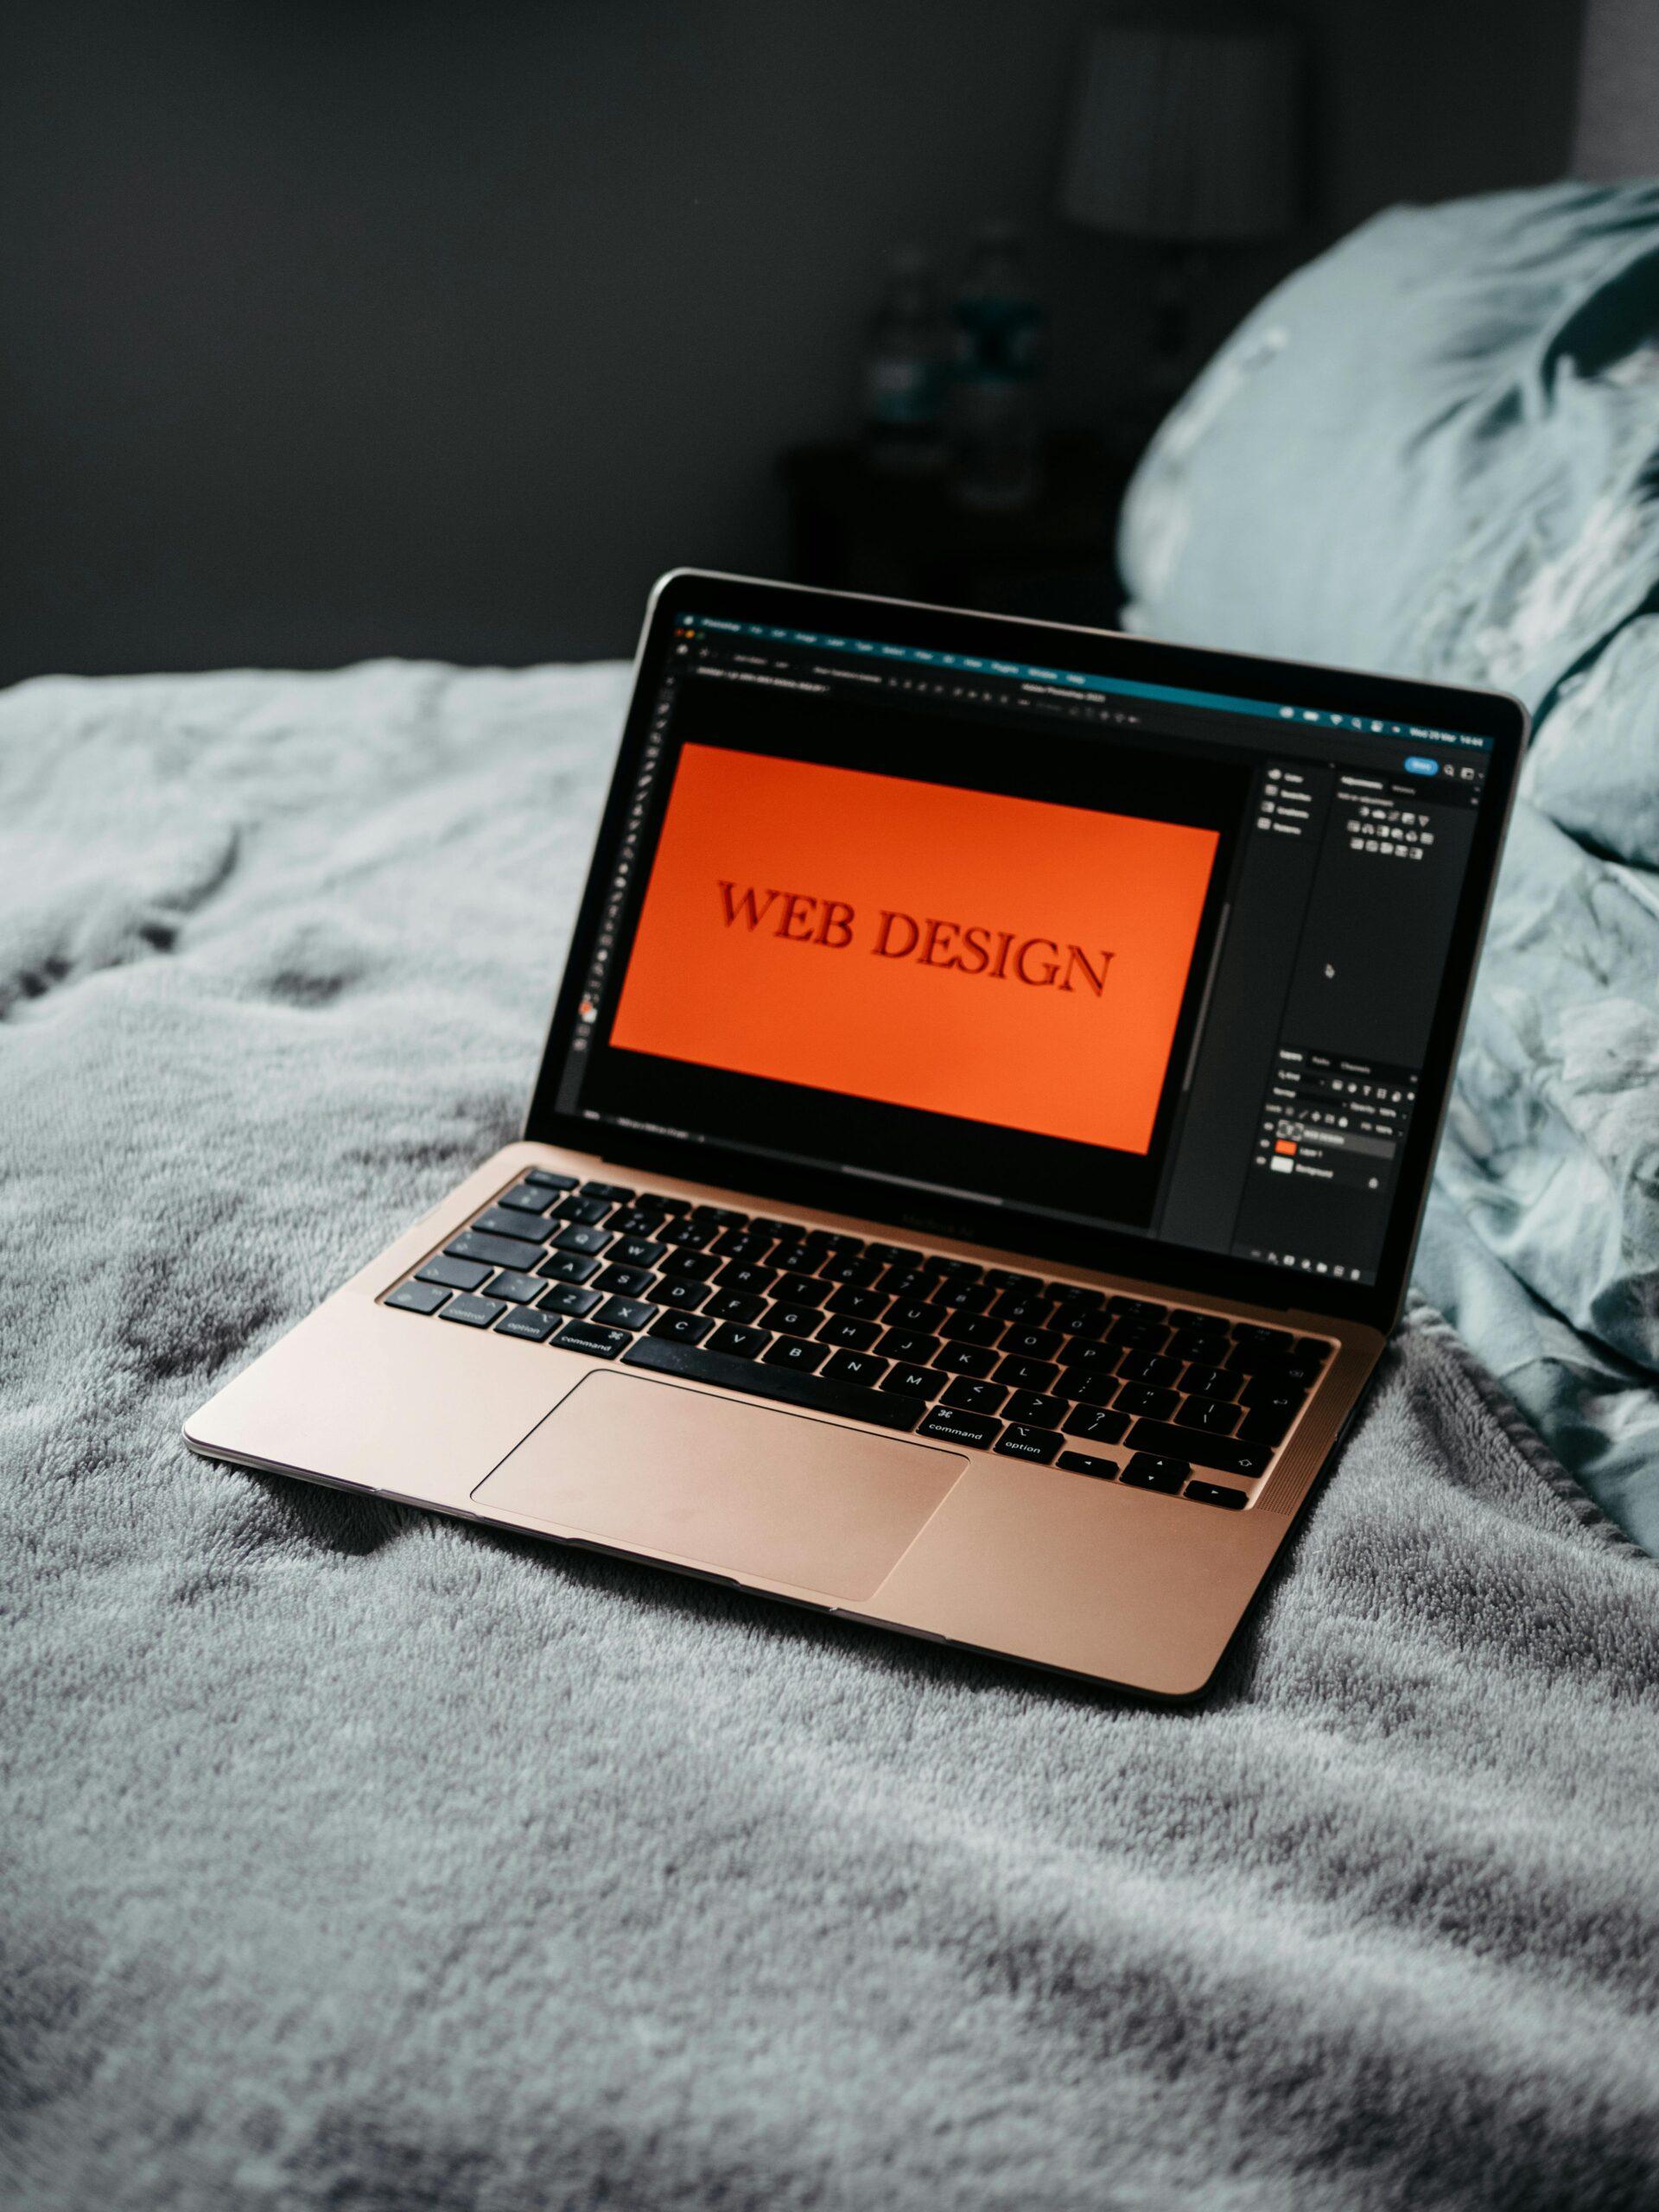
(1214, 1275)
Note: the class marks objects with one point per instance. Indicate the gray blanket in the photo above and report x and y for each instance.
(357, 1859)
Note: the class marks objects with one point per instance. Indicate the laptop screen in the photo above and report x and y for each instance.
(1117, 955)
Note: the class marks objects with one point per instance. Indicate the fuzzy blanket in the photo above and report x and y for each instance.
(360, 1858)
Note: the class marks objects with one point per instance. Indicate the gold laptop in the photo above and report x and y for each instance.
(981, 1141)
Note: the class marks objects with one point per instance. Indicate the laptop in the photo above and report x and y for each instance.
(979, 1146)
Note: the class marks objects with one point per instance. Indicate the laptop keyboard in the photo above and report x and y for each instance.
(1158, 1397)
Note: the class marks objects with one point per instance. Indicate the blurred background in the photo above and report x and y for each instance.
(334, 331)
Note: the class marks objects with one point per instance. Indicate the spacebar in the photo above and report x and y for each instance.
(885, 1407)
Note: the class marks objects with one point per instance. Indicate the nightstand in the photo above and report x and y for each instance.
(854, 527)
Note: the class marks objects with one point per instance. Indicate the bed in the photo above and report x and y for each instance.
(355, 1858)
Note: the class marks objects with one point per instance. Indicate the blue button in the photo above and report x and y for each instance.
(1416, 766)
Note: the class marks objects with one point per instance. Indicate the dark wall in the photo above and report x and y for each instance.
(332, 331)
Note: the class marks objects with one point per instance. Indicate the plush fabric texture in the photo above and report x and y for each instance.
(356, 1858)
(1436, 450)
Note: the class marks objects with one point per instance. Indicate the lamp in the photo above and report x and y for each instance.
(1187, 133)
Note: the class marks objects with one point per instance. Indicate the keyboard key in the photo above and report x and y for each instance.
(908, 1345)
(573, 1237)
(1083, 1463)
(549, 1178)
(1077, 1294)
(793, 1320)
(684, 1297)
(686, 1234)
(473, 1312)
(1262, 1427)
(741, 1244)
(569, 1266)
(1084, 1322)
(970, 1329)
(1217, 1494)
(1140, 1309)
(571, 1299)
(495, 1251)
(625, 1282)
(1199, 1351)
(627, 1313)
(1039, 1444)
(1032, 1344)
(796, 1289)
(1149, 1367)
(638, 1252)
(894, 1256)
(964, 1359)
(1151, 1471)
(720, 1218)
(682, 1328)
(1206, 1382)
(908, 1282)
(1090, 1386)
(1313, 1348)
(744, 1276)
(952, 1425)
(1006, 1279)
(520, 1288)
(860, 1367)
(665, 1204)
(528, 1198)
(1104, 1357)
(1031, 1409)
(1095, 1425)
(1137, 1336)
(1026, 1374)
(1023, 1309)
(616, 1194)
(1267, 1394)
(455, 1275)
(742, 1342)
(586, 1336)
(497, 1221)
(732, 1306)
(972, 1397)
(637, 1221)
(1214, 1416)
(862, 1304)
(1254, 1332)
(420, 1297)
(966, 1297)
(682, 1266)
(1140, 1398)
(1225, 1453)
(852, 1336)
(525, 1321)
(794, 1352)
(854, 1271)
(915, 1313)
(884, 1408)
(913, 1383)
(583, 1210)
(796, 1254)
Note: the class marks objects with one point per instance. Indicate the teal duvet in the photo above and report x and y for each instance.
(1436, 450)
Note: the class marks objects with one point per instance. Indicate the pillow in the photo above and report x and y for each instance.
(1429, 451)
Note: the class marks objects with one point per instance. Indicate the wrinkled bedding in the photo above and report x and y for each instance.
(1436, 450)
(352, 1857)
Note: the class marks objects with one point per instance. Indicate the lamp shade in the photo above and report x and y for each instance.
(1187, 130)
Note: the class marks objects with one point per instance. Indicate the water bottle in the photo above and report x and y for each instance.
(906, 357)
(1000, 330)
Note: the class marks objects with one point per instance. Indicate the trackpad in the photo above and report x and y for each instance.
(741, 1490)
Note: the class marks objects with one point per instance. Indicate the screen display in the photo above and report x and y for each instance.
(1004, 960)
(1118, 955)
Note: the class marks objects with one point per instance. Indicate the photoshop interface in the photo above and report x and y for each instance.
(1179, 983)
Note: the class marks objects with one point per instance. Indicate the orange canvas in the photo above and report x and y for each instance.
(1001, 960)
